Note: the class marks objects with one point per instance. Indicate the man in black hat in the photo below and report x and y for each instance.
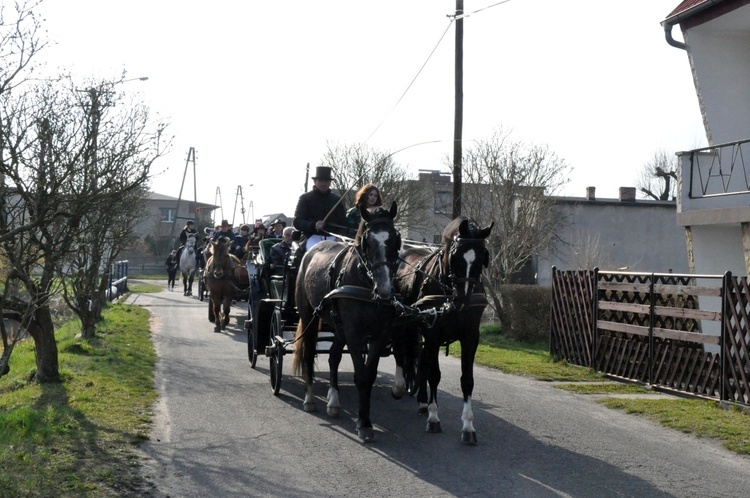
(319, 210)
(277, 228)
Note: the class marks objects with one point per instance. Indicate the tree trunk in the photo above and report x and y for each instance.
(47, 366)
(88, 324)
(497, 302)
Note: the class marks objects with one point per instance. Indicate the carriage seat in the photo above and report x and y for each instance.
(264, 254)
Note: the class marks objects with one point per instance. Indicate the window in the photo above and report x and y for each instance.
(444, 202)
(167, 215)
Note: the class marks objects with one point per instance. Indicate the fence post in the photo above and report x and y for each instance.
(651, 305)
(594, 313)
(109, 282)
(552, 314)
(722, 335)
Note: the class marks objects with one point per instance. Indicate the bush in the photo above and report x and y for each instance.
(526, 312)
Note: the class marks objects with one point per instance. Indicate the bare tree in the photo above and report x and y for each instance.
(76, 169)
(658, 177)
(20, 41)
(511, 183)
(355, 165)
(120, 145)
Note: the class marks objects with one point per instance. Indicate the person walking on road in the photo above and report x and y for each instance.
(172, 264)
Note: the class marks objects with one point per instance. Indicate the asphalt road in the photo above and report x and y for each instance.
(220, 432)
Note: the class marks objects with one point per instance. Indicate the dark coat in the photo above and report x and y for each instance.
(185, 233)
(238, 245)
(279, 253)
(172, 264)
(313, 206)
(229, 233)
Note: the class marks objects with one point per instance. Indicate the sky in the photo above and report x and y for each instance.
(259, 90)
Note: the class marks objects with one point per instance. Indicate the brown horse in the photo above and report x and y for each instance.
(222, 275)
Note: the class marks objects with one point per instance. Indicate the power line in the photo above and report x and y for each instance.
(452, 18)
(412, 82)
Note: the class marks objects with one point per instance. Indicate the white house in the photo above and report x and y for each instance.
(714, 190)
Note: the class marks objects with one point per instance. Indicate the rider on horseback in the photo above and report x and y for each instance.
(184, 234)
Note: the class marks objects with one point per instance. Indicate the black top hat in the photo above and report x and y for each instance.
(322, 173)
(278, 220)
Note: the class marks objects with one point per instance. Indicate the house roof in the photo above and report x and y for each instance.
(700, 11)
(686, 5)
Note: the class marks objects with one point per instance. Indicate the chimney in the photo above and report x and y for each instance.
(627, 194)
(591, 193)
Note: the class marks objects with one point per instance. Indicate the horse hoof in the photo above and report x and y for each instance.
(469, 438)
(309, 407)
(366, 434)
(434, 428)
(217, 329)
(397, 393)
(334, 411)
(422, 410)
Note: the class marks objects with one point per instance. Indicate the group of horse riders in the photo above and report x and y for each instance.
(319, 214)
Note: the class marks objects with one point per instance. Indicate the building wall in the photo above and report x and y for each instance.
(719, 51)
(154, 225)
(640, 236)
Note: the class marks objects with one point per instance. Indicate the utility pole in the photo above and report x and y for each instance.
(458, 120)
(220, 203)
(190, 158)
(239, 198)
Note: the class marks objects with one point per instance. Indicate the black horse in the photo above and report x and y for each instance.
(349, 287)
(447, 280)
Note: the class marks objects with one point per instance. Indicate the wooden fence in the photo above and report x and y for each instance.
(688, 333)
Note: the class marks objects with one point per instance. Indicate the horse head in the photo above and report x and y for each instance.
(220, 257)
(465, 255)
(190, 244)
(380, 243)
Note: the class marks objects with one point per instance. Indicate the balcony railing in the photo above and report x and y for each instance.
(718, 171)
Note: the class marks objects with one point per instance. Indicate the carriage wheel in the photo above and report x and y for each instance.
(277, 358)
(252, 335)
(252, 347)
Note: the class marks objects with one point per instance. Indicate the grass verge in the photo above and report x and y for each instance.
(76, 437)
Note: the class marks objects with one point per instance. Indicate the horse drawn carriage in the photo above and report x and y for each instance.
(271, 311)
(340, 297)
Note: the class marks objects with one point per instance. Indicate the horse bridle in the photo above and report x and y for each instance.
(362, 249)
(479, 245)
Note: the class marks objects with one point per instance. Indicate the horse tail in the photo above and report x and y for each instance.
(299, 366)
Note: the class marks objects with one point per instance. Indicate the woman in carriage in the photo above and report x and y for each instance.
(240, 241)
